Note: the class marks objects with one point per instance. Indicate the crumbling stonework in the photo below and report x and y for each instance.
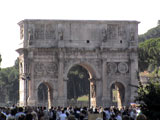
(107, 49)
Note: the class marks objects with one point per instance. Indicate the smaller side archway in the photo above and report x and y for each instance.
(44, 94)
(117, 94)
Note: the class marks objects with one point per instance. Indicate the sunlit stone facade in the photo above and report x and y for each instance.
(107, 49)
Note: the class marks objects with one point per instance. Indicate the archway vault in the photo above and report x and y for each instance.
(118, 81)
(91, 68)
(47, 83)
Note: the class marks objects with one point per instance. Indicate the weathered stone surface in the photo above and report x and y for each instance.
(107, 49)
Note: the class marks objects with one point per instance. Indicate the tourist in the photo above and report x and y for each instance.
(107, 112)
(133, 114)
(58, 113)
(46, 113)
(34, 114)
(28, 116)
(118, 117)
(71, 116)
(63, 116)
(11, 116)
(20, 113)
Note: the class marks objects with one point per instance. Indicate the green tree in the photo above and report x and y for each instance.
(149, 99)
(152, 33)
(9, 83)
(149, 54)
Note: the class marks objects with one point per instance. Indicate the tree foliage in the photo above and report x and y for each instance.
(78, 83)
(149, 60)
(152, 33)
(149, 99)
(149, 54)
(9, 84)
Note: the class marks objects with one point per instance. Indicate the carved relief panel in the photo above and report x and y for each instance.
(50, 32)
(122, 32)
(111, 67)
(112, 31)
(39, 31)
(123, 67)
(46, 69)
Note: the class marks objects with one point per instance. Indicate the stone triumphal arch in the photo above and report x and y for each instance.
(50, 48)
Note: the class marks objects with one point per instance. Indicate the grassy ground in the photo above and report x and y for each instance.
(83, 98)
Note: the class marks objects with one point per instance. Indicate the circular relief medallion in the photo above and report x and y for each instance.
(112, 67)
(39, 68)
(122, 67)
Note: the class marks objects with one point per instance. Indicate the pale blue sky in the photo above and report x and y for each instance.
(13, 11)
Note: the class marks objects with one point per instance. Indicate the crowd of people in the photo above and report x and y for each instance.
(70, 113)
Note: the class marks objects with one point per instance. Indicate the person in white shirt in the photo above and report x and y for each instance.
(20, 113)
(107, 113)
(63, 116)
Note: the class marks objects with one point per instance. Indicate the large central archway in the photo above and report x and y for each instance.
(81, 87)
